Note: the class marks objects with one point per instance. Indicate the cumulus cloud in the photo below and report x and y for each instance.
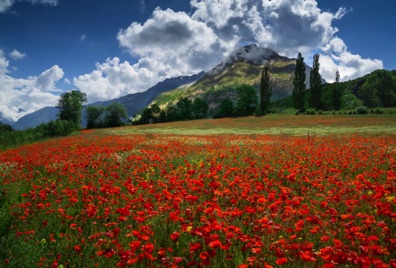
(288, 27)
(172, 43)
(21, 96)
(113, 78)
(6, 4)
(16, 55)
(185, 44)
(169, 44)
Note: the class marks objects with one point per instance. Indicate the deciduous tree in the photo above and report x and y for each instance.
(70, 106)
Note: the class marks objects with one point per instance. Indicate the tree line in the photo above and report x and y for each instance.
(69, 117)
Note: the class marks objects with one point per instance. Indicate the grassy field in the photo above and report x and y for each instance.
(273, 125)
(179, 195)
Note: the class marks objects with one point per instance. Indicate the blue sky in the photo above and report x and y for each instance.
(109, 49)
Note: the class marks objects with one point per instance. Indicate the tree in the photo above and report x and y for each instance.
(351, 102)
(337, 93)
(94, 116)
(299, 83)
(114, 114)
(226, 109)
(265, 90)
(5, 128)
(315, 83)
(199, 108)
(247, 100)
(184, 109)
(70, 106)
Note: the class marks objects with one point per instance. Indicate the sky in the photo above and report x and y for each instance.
(109, 49)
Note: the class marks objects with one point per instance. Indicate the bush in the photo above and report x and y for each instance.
(362, 110)
(376, 111)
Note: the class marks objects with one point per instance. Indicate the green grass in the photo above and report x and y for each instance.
(273, 124)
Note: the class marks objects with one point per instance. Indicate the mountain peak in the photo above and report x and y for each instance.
(252, 54)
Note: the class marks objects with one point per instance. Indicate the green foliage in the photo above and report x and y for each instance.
(299, 84)
(247, 100)
(362, 110)
(226, 109)
(351, 102)
(265, 90)
(94, 117)
(199, 108)
(70, 106)
(46, 130)
(5, 128)
(110, 116)
(184, 109)
(377, 89)
(56, 128)
(114, 114)
(337, 92)
(172, 114)
(315, 82)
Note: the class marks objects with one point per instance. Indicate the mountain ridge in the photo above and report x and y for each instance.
(133, 103)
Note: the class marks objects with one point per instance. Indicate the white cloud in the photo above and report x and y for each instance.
(113, 78)
(21, 96)
(173, 43)
(289, 27)
(16, 55)
(6, 4)
(169, 44)
(349, 65)
(47, 79)
(187, 46)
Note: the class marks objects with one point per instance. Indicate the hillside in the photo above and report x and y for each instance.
(241, 67)
(133, 103)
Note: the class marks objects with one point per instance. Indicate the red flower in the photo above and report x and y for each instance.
(215, 244)
(174, 236)
(281, 261)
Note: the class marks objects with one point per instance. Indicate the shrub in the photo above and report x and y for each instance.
(362, 110)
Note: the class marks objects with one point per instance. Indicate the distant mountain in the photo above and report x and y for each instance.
(5, 120)
(241, 67)
(36, 118)
(132, 102)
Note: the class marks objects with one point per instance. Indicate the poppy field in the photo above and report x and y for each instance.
(147, 200)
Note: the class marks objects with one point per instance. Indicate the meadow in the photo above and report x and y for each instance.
(293, 191)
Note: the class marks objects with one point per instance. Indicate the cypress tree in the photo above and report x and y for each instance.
(299, 84)
(265, 90)
(315, 83)
(337, 93)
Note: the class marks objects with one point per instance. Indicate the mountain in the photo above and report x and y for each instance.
(132, 102)
(241, 67)
(36, 118)
(5, 120)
